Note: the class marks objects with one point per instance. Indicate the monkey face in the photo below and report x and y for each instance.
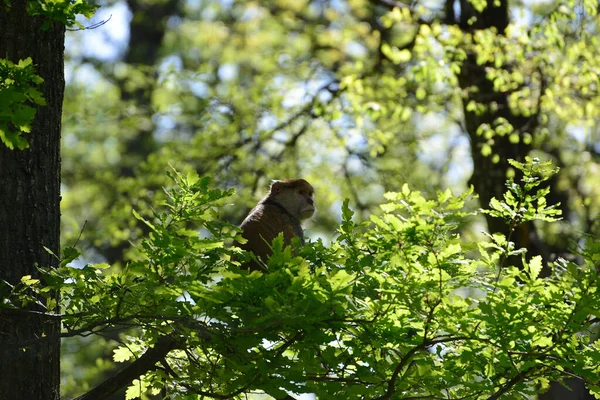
(306, 203)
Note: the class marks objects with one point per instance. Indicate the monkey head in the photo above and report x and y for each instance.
(295, 195)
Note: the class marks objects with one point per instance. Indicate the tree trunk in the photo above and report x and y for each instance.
(30, 209)
(488, 177)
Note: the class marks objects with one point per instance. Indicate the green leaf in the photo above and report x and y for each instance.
(136, 389)
(29, 281)
(69, 254)
(535, 267)
(347, 213)
(542, 341)
(122, 354)
(192, 178)
(24, 63)
(145, 221)
(340, 280)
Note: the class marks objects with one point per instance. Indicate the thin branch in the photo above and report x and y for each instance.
(93, 26)
(506, 387)
(403, 361)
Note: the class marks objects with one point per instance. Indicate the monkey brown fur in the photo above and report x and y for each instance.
(281, 210)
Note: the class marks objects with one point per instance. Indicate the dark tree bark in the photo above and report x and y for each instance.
(30, 209)
(488, 177)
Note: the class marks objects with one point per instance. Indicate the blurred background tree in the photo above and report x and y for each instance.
(356, 96)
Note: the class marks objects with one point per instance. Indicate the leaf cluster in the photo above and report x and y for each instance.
(19, 83)
(62, 11)
(19, 95)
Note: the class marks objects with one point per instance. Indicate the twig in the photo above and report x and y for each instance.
(93, 26)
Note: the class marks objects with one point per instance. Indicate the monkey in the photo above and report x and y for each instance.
(281, 210)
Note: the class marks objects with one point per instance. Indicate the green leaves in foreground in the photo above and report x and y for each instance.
(397, 307)
(19, 95)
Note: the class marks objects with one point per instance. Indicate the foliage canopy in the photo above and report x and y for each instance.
(401, 306)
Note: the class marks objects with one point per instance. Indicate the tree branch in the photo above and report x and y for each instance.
(506, 387)
(145, 363)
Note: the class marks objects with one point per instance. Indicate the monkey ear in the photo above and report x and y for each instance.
(276, 187)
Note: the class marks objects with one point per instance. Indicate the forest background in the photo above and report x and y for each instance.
(357, 97)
